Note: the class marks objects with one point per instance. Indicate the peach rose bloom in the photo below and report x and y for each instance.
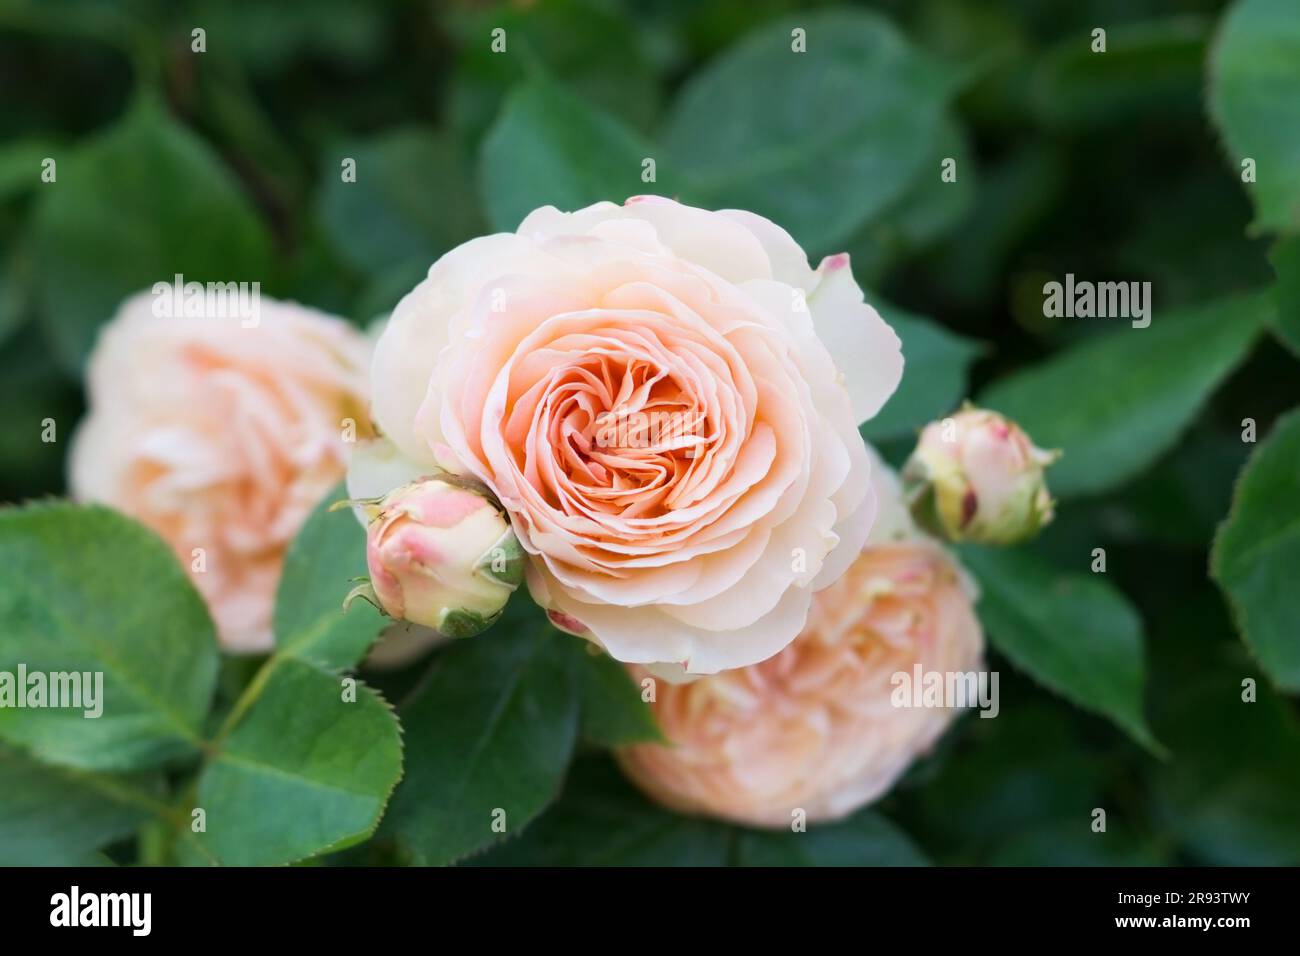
(665, 400)
(221, 437)
(814, 728)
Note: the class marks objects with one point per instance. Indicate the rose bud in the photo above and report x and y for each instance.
(977, 477)
(441, 554)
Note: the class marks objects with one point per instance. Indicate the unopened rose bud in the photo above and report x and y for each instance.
(442, 554)
(977, 477)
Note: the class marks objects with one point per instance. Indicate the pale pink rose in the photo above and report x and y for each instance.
(815, 728)
(221, 435)
(666, 401)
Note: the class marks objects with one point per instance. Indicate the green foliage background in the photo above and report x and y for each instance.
(1121, 691)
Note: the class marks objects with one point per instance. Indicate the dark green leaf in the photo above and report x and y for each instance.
(20, 166)
(612, 74)
(52, 816)
(601, 820)
(143, 202)
(767, 129)
(1131, 392)
(864, 839)
(319, 571)
(550, 148)
(495, 723)
(1257, 553)
(1255, 101)
(934, 376)
(1286, 263)
(1074, 633)
(88, 590)
(1230, 791)
(1150, 67)
(408, 204)
(613, 714)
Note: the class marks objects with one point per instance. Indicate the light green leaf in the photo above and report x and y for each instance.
(934, 374)
(496, 722)
(1257, 552)
(1131, 391)
(408, 204)
(85, 589)
(305, 772)
(1254, 100)
(864, 839)
(601, 820)
(767, 129)
(1073, 633)
(135, 206)
(612, 711)
(550, 148)
(319, 571)
(51, 816)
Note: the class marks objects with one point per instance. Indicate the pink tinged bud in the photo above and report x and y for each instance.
(977, 477)
(442, 554)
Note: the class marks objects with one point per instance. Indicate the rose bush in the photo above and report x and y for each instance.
(665, 400)
(221, 436)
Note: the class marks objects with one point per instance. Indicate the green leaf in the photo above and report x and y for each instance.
(304, 772)
(1072, 842)
(408, 204)
(496, 723)
(767, 129)
(550, 148)
(602, 820)
(1257, 552)
(613, 74)
(137, 205)
(934, 377)
(20, 166)
(864, 839)
(1231, 791)
(13, 300)
(1151, 67)
(1073, 633)
(1022, 771)
(1254, 100)
(1131, 392)
(929, 209)
(319, 571)
(612, 711)
(51, 816)
(86, 589)
(1285, 258)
